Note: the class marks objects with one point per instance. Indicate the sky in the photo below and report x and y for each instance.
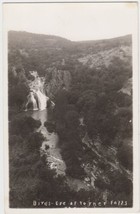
(74, 21)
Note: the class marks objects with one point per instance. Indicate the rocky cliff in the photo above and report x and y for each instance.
(55, 80)
(105, 57)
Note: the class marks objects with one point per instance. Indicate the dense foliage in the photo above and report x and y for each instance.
(107, 113)
(95, 95)
(30, 177)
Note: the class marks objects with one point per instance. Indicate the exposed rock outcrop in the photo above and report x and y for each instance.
(104, 58)
(56, 79)
(127, 89)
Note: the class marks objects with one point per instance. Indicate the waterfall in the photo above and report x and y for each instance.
(38, 100)
(37, 96)
(42, 100)
(33, 101)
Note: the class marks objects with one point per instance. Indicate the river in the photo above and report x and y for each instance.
(53, 154)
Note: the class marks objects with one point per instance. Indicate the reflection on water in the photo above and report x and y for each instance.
(37, 115)
(40, 115)
(44, 115)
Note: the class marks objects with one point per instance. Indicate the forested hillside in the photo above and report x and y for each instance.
(38, 52)
(90, 83)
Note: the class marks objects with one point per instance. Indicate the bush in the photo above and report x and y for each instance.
(18, 94)
(125, 156)
(23, 126)
(34, 141)
(119, 183)
(14, 140)
(72, 120)
(50, 126)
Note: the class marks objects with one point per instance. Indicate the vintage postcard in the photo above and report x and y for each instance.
(71, 107)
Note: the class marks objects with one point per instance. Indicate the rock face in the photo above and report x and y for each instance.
(55, 80)
(37, 83)
(127, 89)
(104, 58)
(39, 52)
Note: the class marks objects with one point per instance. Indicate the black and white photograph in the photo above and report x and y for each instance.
(70, 83)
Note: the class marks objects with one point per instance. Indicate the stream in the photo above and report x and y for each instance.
(53, 153)
(50, 147)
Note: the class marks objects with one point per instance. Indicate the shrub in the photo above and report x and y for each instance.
(125, 156)
(23, 126)
(34, 141)
(50, 126)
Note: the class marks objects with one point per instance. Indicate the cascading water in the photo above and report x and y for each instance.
(37, 96)
(33, 101)
(42, 100)
(38, 99)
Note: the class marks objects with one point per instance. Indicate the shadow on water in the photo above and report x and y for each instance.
(43, 116)
(40, 115)
(37, 115)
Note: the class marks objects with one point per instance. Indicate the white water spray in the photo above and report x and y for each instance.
(42, 100)
(37, 96)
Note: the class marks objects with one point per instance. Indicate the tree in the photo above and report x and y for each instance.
(50, 126)
(34, 141)
(125, 156)
(23, 126)
(72, 120)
